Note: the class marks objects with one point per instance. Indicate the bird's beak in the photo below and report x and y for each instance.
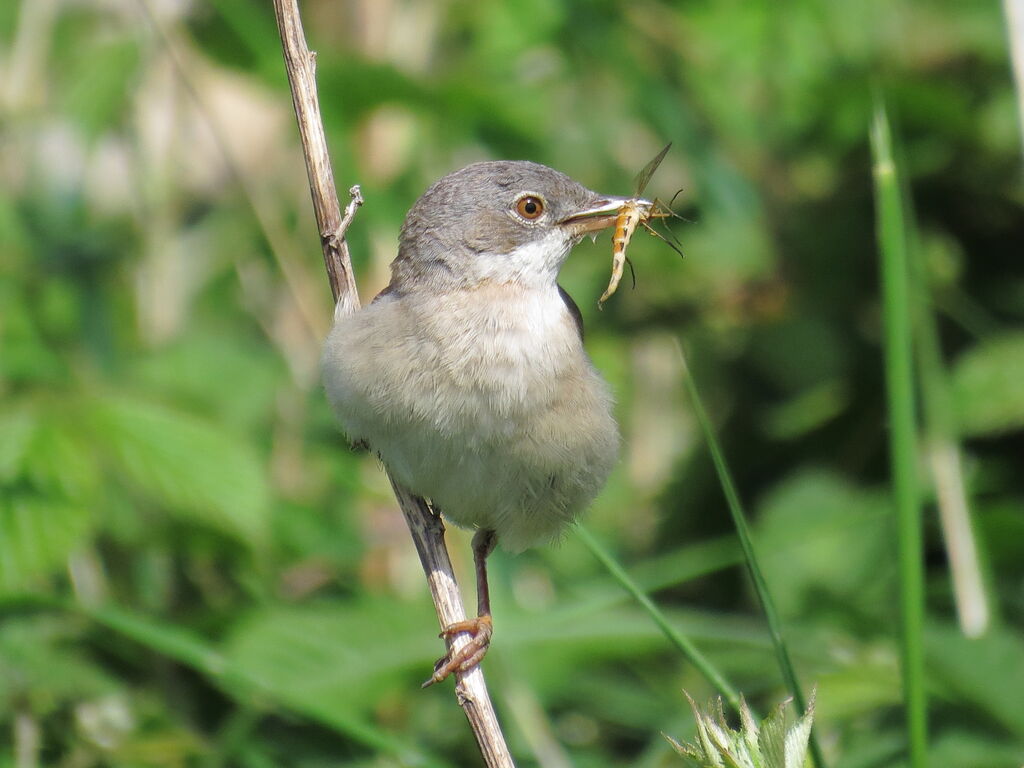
(599, 215)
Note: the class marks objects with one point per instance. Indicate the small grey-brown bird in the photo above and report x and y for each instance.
(467, 374)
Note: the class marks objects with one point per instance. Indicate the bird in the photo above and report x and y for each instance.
(467, 374)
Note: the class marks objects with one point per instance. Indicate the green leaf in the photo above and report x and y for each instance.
(36, 666)
(986, 673)
(248, 667)
(340, 656)
(771, 746)
(24, 356)
(194, 468)
(61, 461)
(820, 535)
(987, 388)
(799, 737)
(37, 535)
(751, 737)
(17, 425)
(772, 738)
(705, 750)
(206, 367)
(971, 749)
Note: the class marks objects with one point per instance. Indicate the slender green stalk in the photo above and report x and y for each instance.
(743, 533)
(688, 649)
(892, 240)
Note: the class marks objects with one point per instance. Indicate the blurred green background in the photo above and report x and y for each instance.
(196, 570)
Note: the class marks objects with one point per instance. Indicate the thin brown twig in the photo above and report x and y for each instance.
(424, 524)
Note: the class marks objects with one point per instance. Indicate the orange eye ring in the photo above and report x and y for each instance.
(530, 207)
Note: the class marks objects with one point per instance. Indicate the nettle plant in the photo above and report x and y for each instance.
(771, 745)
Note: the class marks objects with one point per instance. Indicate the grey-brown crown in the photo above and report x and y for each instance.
(471, 214)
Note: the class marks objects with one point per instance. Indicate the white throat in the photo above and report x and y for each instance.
(532, 265)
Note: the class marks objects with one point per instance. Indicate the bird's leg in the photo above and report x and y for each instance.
(481, 628)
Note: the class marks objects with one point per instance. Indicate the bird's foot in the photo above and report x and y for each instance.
(468, 656)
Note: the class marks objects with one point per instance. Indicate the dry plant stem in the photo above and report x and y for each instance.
(425, 526)
(470, 688)
(300, 63)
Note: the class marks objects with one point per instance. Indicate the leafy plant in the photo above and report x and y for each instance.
(768, 745)
(187, 544)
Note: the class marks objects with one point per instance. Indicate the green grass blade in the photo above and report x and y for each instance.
(688, 649)
(892, 240)
(668, 569)
(746, 543)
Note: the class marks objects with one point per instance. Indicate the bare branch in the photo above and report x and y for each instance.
(300, 63)
(350, 210)
(470, 687)
(425, 526)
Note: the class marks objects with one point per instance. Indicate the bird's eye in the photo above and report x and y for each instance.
(530, 207)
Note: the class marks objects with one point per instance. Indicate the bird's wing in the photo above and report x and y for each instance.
(574, 311)
(390, 290)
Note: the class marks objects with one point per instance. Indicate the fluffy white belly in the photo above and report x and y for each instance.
(487, 405)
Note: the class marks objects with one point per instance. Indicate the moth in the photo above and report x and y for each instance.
(636, 212)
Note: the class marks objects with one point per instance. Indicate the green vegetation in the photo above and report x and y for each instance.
(903, 453)
(196, 570)
(769, 745)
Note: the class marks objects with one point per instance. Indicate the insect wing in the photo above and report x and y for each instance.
(640, 182)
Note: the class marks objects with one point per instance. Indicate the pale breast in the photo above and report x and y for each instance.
(505, 351)
(483, 401)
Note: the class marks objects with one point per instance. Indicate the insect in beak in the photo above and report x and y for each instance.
(600, 215)
(634, 212)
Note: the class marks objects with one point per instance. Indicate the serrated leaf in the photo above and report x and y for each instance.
(719, 735)
(191, 467)
(25, 356)
(704, 750)
(750, 747)
(773, 738)
(748, 729)
(17, 425)
(37, 535)
(799, 736)
(685, 750)
(986, 386)
(731, 745)
(60, 462)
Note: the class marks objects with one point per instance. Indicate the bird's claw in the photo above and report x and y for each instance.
(468, 656)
